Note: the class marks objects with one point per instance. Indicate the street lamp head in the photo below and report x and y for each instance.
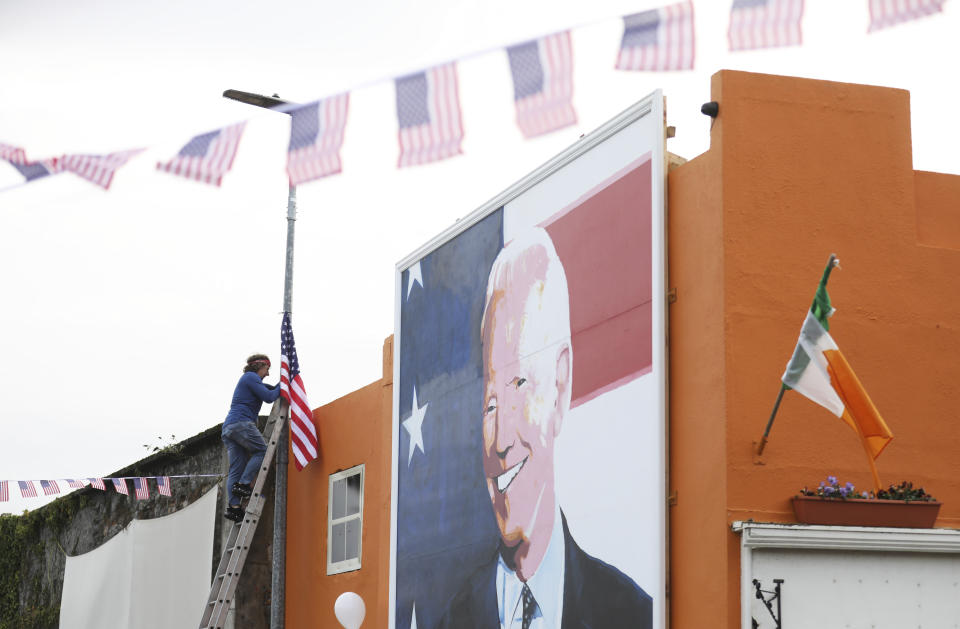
(258, 100)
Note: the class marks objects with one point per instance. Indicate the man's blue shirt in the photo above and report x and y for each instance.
(248, 397)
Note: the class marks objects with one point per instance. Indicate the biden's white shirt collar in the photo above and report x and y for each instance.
(546, 584)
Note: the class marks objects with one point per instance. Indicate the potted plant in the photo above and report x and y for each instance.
(901, 505)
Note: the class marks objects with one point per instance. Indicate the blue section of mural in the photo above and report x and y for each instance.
(444, 519)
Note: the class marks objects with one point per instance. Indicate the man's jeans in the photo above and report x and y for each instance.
(245, 447)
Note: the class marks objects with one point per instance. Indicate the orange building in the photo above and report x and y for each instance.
(797, 169)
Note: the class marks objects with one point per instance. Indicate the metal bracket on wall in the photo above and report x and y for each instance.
(672, 296)
(774, 595)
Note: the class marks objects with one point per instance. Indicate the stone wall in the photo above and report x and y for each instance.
(34, 546)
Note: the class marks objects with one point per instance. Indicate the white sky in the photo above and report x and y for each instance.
(127, 314)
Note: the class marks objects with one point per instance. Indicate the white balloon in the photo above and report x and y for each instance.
(350, 610)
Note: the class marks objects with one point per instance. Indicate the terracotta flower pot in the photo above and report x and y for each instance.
(895, 513)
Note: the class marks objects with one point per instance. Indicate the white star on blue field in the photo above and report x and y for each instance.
(414, 426)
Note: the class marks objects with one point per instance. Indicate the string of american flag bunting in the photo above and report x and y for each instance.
(52, 488)
(303, 438)
(427, 102)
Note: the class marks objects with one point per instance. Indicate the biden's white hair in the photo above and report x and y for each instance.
(547, 309)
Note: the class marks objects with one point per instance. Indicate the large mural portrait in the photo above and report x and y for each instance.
(529, 401)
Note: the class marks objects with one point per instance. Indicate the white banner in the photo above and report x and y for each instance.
(154, 574)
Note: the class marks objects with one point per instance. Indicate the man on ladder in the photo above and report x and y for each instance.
(244, 443)
(250, 460)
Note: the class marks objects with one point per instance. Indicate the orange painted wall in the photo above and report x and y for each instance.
(799, 169)
(354, 429)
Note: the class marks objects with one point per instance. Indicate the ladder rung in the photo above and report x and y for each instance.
(238, 543)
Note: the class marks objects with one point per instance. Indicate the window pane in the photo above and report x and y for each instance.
(353, 538)
(353, 494)
(337, 542)
(339, 498)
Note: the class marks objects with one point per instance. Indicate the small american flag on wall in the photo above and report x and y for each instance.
(50, 487)
(206, 157)
(74, 483)
(163, 485)
(658, 39)
(428, 114)
(27, 490)
(4, 492)
(886, 13)
(765, 24)
(542, 73)
(316, 136)
(140, 488)
(97, 483)
(120, 485)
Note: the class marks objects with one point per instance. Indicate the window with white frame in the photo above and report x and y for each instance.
(345, 521)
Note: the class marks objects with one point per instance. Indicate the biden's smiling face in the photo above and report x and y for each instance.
(521, 417)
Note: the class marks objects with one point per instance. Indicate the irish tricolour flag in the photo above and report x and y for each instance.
(820, 372)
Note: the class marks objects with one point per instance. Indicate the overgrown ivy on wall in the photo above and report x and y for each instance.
(21, 539)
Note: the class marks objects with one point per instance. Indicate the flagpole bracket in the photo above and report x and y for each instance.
(769, 597)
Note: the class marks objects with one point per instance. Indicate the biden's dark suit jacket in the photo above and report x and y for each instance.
(595, 596)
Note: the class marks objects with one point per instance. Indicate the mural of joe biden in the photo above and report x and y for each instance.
(540, 578)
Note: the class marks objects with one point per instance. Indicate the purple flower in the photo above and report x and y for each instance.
(844, 491)
(849, 486)
(832, 480)
(828, 490)
(864, 494)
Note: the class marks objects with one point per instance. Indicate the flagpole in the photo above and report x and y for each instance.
(278, 573)
(278, 576)
(773, 414)
(832, 262)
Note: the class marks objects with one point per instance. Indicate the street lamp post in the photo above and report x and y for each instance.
(277, 581)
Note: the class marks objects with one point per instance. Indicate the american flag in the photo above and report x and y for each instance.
(658, 39)
(76, 484)
(316, 135)
(17, 158)
(765, 24)
(4, 492)
(303, 433)
(27, 490)
(36, 170)
(98, 169)
(97, 483)
(428, 113)
(140, 488)
(120, 485)
(543, 84)
(206, 157)
(886, 13)
(50, 487)
(13, 154)
(163, 485)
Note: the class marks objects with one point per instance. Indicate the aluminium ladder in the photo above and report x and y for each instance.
(241, 534)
